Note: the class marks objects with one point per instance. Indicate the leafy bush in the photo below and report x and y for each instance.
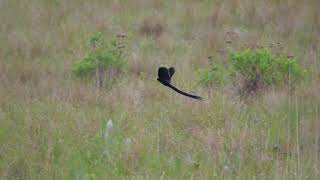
(258, 67)
(107, 54)
(261, 64)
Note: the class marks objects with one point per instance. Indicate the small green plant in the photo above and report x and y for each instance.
(216, 74)
(103, 57)
(258, 68)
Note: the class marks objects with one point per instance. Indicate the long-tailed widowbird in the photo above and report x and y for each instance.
(164, 77)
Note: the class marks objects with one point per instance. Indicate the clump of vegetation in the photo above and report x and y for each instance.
(272, 68)
(104, 56)
(215, 74)
(258, 68)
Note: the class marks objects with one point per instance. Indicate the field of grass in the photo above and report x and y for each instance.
(52, 125)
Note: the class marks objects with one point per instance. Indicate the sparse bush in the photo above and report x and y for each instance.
(103, 56)
(259, 68)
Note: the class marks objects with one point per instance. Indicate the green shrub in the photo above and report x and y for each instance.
(258, 68)
(266, 67)
(107, 54)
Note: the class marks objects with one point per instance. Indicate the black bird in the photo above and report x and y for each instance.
(164, 77)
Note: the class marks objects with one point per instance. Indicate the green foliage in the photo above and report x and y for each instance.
(85, 67)
(256, 66)
(109, 54)
(216, 74)
(268, 67)
(94, 38)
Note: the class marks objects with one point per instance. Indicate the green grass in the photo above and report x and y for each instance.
(51, 124)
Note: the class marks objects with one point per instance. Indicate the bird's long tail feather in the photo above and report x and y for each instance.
(184, 93)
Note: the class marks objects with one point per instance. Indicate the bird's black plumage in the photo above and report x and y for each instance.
(164, 77)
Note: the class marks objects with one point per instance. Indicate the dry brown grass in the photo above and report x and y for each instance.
(152, 27)
(50, 122)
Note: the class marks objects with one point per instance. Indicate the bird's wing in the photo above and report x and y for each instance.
(171, 71)
(184, 93)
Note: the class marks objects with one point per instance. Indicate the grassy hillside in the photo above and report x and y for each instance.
(52, 124)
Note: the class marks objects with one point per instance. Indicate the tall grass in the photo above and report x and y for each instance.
(52, 125)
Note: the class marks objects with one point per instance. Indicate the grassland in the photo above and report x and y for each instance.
(52, 124)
